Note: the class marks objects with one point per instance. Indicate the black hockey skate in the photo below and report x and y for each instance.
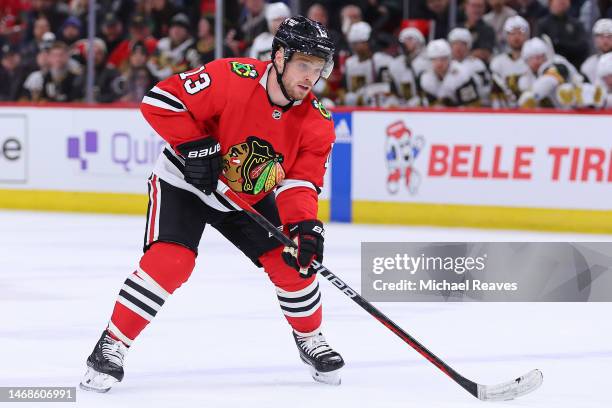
(324, 362)
(104, 365)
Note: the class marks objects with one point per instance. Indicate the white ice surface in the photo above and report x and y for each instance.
(221, 340)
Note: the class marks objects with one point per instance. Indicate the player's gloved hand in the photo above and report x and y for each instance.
(203, 163)
(309, 237)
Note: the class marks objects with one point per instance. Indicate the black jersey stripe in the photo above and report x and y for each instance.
(165, 100)
(174, 160)
(223, 201)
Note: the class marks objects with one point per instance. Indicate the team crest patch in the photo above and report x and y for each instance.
(253, 167)
(319, 106)
(244, 70)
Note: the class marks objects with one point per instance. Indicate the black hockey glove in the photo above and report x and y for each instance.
(309, 236)
(203, 163)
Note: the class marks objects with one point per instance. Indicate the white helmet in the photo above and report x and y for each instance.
(604, 66)
(438, 49)
(603, 26)
(276, 10)
(411, 32)
(533, 47)
(460, 34)
(516, 22)
(359, 32)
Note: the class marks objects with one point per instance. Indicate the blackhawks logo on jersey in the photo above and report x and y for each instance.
(253, 166)
(244, 70)
(319, 106)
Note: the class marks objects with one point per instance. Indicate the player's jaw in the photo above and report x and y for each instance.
(300, 89)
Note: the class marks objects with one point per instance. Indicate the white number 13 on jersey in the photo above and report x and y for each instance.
(194, 86)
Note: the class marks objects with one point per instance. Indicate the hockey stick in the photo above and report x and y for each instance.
(499, 392)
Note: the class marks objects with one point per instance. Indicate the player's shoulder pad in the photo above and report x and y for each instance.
(247, 68)
(238, 68)
(320, 109)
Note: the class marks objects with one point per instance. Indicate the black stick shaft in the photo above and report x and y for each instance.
(468, 385)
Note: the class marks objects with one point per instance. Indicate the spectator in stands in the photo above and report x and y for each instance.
(112, 32)
(139, 33)
(80, 10)
(367, 77)
(383, 15)
(106, 81)
(446, 82)
(530, 10)
(567, 34)
(55, 11)
(349, 15)
(509, 66)
(318, 12)
(602, 35)
(137, 79)
(406, 68)
(437, 10)
(12, 75)
(482, 34)
(121, 9)
(206, 41)
(175, 53)
(276, 13)
(70, 32)
(31, 48)
(61, 83)
(496, 18)
(252, 21)
(160, 12)
(33, 85)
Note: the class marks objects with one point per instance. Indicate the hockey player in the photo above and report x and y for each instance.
(508, 67)
(406, 68)
(367, 77)
(604, 77)
(602, 36)
(256, 126)
(447, 83)
(276, 13)
(413, 44)
(550, 81)
(460, 40)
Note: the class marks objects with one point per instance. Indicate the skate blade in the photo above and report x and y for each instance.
(329, 378)
(96, 381)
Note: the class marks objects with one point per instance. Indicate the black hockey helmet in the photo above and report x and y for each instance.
(306, 36)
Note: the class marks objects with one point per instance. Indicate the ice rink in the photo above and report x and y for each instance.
(221, 340)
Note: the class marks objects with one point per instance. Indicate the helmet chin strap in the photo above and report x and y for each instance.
(279, 79)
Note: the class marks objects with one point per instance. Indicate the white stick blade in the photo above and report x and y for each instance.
(511, 389)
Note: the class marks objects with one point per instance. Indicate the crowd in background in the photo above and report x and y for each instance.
(500, 53)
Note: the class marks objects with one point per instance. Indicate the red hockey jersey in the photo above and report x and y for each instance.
(264, 147)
